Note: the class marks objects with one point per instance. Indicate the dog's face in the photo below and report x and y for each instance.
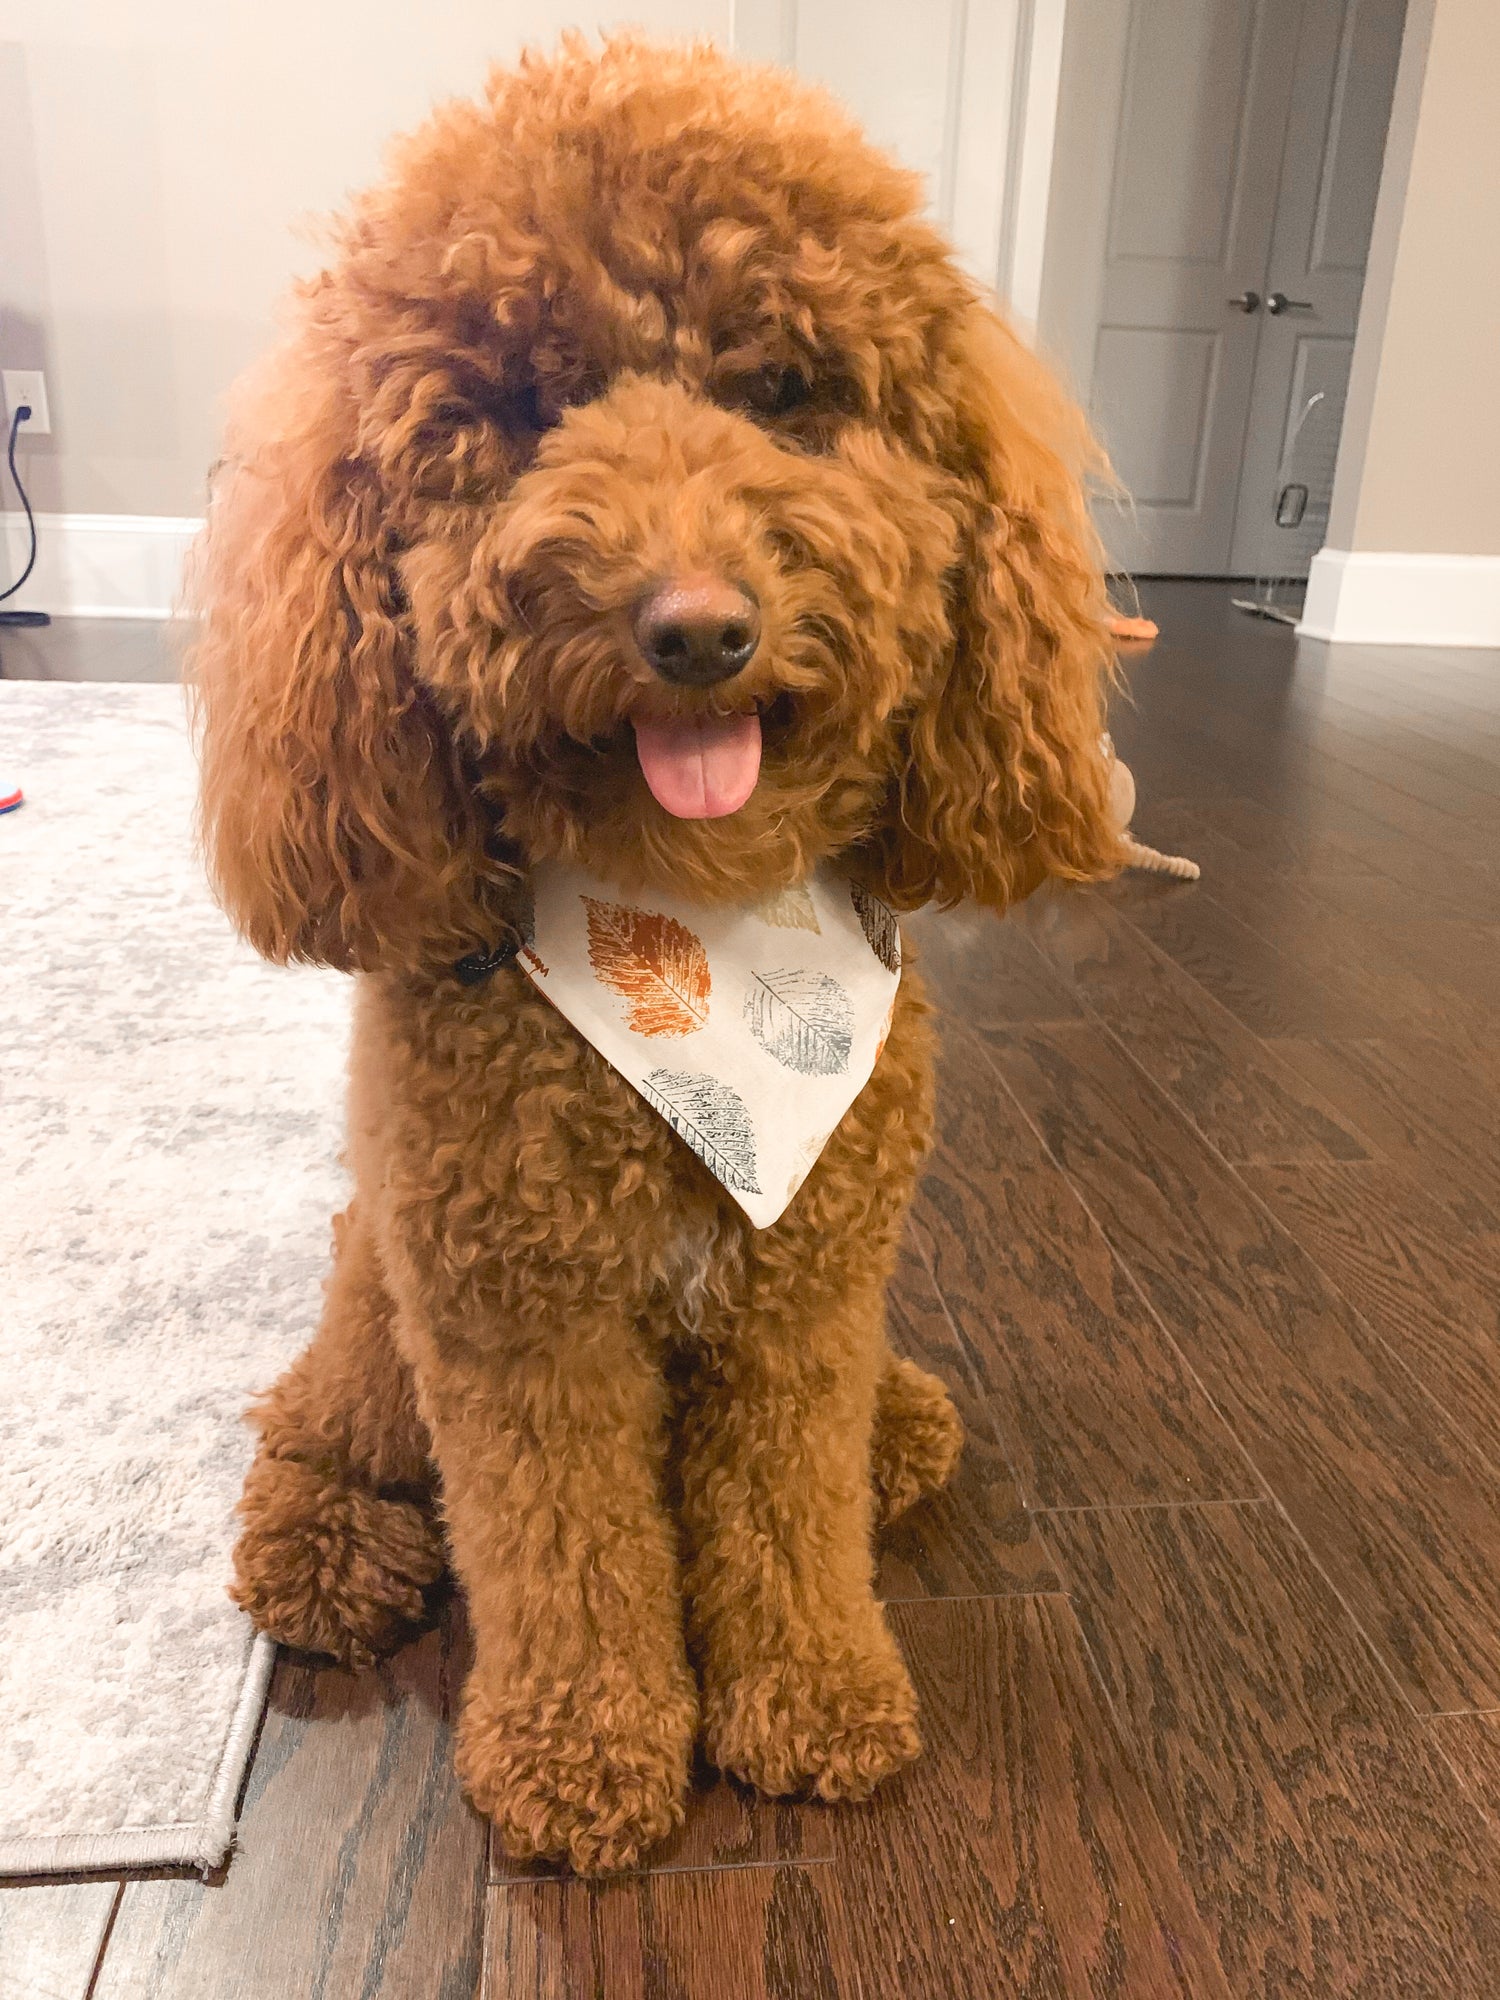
(680, 644)
(646, 488)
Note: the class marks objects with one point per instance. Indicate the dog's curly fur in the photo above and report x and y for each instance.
(639, 312)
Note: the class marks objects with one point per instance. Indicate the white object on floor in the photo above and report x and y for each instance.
(172, 1115)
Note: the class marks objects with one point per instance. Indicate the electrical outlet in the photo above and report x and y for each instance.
(26, 385)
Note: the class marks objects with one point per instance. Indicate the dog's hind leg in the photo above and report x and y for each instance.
(916, 1441)
(340, 1539)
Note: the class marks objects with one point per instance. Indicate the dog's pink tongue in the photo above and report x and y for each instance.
(703, 768)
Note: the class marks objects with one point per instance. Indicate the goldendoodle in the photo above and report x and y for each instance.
(642, 489)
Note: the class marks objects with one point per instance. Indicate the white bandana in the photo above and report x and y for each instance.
(751, 1031)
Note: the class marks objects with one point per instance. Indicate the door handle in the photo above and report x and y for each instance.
(1279, 303)
(1247, 301)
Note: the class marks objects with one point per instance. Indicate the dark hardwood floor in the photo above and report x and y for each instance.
(1207, 1632)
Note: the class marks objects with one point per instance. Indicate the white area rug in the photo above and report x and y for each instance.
(170, 1115)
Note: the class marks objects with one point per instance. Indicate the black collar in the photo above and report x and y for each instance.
(477, 966)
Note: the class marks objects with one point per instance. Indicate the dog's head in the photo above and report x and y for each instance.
(643, 485)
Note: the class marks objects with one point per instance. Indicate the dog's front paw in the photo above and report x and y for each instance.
(917, 1439)
(592, 1783)
(834, 1728)
(332, 1568)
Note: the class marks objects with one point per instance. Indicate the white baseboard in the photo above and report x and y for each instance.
(1375, 599)
(130, 566)
(98, 565)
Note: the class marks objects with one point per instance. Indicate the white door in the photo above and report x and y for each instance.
(1341, 100)
(1246, 162)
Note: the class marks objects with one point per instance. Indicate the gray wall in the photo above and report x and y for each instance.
(163, 163)
(162, 166)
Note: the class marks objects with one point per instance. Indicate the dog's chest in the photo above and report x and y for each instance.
(521, 1157)
(700, 1269)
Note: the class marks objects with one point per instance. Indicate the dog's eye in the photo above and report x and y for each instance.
(774, 391)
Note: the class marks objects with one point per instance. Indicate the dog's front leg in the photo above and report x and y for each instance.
(580, 1712)
(802, 1684)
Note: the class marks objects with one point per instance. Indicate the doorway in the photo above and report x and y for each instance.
(1230, 153)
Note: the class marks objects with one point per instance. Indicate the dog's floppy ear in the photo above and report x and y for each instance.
(337, 824)
(1003, 781)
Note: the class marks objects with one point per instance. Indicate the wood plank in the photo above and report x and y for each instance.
(1471, 1744)
(981, 968)
(1374, 963)
(1429, 894)
(1019, 1856)
(1272, 842)
(975, 1538)
(1437, 691)
(1452, 721)
(1267, 990)
(1457, 887)
(1351, 741)
(1278, 775)
(1287, 888)
(359, 1868)
(1429, 1288)
(1398, 1509)
(1091, 1402)
(1457, 957)
(1323, 1839)
(50, 1935)
(1474, 839)
(740, 1934)
(1421, 1105)
(1413, 735)
(1251, 850)
(1245, 1100)
(1278, 763)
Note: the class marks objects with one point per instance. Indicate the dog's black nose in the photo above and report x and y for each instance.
(696, 630)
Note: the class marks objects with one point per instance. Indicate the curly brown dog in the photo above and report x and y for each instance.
(641, 322)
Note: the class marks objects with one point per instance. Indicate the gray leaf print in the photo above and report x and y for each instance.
(712, 1119)
(878, 922)
(804, 1019)
(789, 910)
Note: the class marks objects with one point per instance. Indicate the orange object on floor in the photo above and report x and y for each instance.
(1132, 629)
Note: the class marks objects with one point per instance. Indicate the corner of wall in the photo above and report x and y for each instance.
(1380, 271)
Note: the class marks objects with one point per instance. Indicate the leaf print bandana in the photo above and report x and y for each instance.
(750, 1030)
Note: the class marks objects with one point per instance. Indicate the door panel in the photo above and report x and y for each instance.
(1204, 105)
(1345, 75)
(1353, 148)
(1181, 157)
(1160, 380)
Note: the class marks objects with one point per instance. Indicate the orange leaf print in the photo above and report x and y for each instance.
(654, 963)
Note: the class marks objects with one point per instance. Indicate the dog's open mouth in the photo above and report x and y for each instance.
(702, 767)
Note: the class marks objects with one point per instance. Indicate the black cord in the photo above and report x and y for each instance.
(26, 618)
